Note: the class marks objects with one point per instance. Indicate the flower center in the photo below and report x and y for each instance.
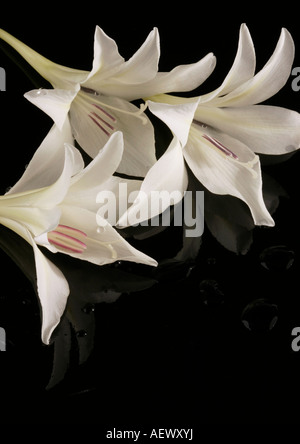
(101, 113)
(216, 144)
(68, 238)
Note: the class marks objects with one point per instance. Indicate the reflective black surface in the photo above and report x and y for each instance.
(207, 341)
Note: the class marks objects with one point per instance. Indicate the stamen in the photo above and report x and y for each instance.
(68, 238)
(197, 122)
(102, 106)
(105, 112)
(233, 157)
(89, 90)
(98, 124)
(137, 114)
(220, 146)
(114, 254)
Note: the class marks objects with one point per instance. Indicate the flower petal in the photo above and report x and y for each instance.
(223, 174)
(36, 220)
(47, 163)
(59, 76)
(264, 129)
(95, 118)
(38, 209)
(52, 287)
(102, 167)
(91, 187)
(54, 102)
(180, 79)
(143, 65)
(107, 59)
(53, 291)
(242, 69)
(169, 176)
(177, 116)
(111, 74)
(268, 81)
(44, 196)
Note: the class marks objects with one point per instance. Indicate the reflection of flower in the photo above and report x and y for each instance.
(98, 102)
(53, 205)
(221, 131)
(229, 219)
(89, 286)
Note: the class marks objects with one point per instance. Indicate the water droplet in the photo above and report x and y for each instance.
(81, 334)
(88, 308)
(210, 293)
(118, 264)
(41, 92)
(100, 230)
(260, 316)
(26, 302)
(190, 271)
(277, 258)
(211, 261)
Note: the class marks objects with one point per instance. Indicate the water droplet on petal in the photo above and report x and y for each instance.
(100, 230)
(260, 316)
(210, 293)
(277, 258)
(41, 92)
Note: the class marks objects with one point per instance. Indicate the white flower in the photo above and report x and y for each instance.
(98, 102)
(220, 132)
(54, 205)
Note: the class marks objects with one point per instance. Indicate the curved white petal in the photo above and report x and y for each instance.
(38, 209)
(53, 292)
(264, 129)
(52, 287)
(95, 118)
(36, 220)
(54, 102)
(102, 167)
(268, 81)
(59, 76)
(110, 68)
(45, 196)
(86, 185)
(47, 162)
(121, 189)
(222, 174)
(143, 65)
(91, 188)
(107, 59)
(163, 186)
(181, 78)
(177, 117)
(243, 67)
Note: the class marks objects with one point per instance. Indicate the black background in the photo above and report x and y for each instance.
(161, 357)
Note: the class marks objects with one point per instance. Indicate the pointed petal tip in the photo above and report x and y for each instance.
(266, 221)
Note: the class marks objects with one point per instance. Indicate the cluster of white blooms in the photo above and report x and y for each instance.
(217, 137)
